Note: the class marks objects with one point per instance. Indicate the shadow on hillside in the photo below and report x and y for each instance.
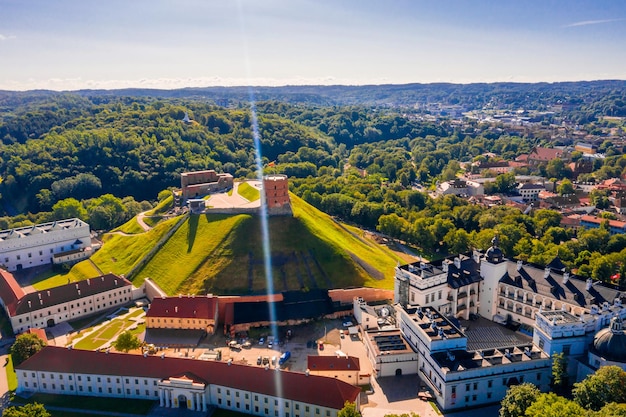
(193, 228)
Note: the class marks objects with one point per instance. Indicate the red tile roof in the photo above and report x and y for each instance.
(203, 307)
(333, 363)
(326, 392)
(598, 220)
(10, 291)
(545, 154)
(65, 293)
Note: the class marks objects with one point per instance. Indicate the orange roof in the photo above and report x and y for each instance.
(322, 391)
(10, 291)
(346, 296)
(184, 307)
(333, 363)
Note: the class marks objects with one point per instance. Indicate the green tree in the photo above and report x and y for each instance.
(126, 342)
(611, 410)
(68, 208)
(25, 346)
(559, 371)
(606, 385)
(565, 187)
(458, 241)
(517, 399)
(26, 410)
(552, 405)
(349, 410)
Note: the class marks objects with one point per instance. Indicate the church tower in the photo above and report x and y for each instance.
(492, 268)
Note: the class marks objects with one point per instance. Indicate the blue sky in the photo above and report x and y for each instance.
(65, 44)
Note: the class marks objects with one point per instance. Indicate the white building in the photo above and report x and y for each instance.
(460, 378)
(46, 308)
(25, 247)
(450, 285)
(460, 187)
(530, 191)
(184, 383)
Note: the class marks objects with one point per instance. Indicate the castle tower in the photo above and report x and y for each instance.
(276, 189)
(492, 269)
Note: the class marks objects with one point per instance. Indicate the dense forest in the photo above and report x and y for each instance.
(357, 153)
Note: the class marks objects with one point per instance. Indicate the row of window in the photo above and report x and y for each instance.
(265, 401)
(90, 389)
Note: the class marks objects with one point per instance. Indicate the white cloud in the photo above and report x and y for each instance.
(592, 22)
(6, 37)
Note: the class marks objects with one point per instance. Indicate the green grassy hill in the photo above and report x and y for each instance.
(223, 254)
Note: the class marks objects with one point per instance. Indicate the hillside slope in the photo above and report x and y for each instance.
(224, 255)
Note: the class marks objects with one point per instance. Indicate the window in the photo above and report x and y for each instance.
(88, 379)
(110, 390)
(467, 387)
(439, 295)
(89, 388)
(454, 389)
(467, 398)
(567, 349)
(474, 397)
(475, 386)
(227, 392)
(427, 298)
(99, 389)
(489, 384)
(98, 379)
(488, 395)
(538, 376)
(219, 390)
(541, 343)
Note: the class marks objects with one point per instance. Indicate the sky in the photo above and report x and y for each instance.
(78, 44)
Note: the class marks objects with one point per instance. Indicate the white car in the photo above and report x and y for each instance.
(348, 324)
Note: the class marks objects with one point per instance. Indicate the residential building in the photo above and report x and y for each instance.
(183, 383)
(55, 242)
(594, 222)
(530, 191)
(46, 308)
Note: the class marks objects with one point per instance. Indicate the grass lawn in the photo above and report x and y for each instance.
(162, 207)
(120, 253)
(120, 405)
(102, 335)
(131, 227)
(248, 192)
(11, 375)
(152, 220)
(187, 250)
(79, 272)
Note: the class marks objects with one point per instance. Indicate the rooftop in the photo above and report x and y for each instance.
(433, 324)
(25, 231)
(326, 392)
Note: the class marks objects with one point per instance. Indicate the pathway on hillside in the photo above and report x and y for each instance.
(143, 224)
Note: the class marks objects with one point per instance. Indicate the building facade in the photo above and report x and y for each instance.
(26, 247)
(183, 313)
(200, 183)
(184, 383)
(46, 308)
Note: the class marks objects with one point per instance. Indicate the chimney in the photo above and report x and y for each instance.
(457, 262)
(546, 272)
(589, 284)
(565, 278)
(520, 264)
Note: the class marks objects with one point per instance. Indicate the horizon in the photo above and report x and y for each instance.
(69, 45)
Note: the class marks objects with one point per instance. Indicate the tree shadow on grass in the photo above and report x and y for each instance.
(193, 228)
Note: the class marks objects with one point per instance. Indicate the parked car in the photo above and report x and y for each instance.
(348, 324)
(273, 360)
(266, 360)
(261, 341)
(284, 357)
(258, 360)
(321, 345)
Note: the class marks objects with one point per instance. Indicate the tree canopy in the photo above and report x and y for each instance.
(126, 342)
(25, 346)
(606, 385)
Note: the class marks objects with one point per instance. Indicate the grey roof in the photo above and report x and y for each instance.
(610, 343)
(531, 278)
